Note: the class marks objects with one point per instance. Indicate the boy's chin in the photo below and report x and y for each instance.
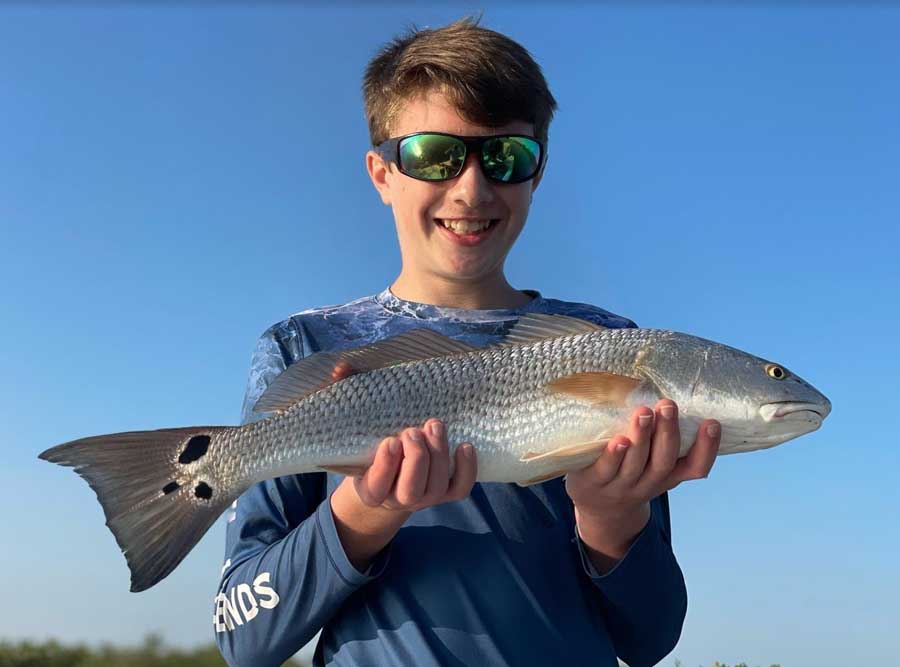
(466, 271)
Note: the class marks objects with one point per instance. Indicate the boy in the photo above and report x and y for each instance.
(408, 565)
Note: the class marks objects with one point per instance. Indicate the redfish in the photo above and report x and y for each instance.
(543, 402)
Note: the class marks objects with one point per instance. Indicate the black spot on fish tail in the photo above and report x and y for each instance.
(204, 491)
(195, 450)
(170, 487)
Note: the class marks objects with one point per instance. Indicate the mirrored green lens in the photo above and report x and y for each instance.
(432, 157)
(511, 159)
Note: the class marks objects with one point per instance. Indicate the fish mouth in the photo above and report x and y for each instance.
(795, 411)
(782, 421)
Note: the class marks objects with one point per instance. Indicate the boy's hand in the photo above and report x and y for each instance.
(409, 473)
(642, 465)
(612, 496)
(412, 471)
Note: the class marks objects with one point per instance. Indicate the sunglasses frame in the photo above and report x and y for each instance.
(390, 150)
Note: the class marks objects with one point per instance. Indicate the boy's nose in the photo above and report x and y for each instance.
(471, 187)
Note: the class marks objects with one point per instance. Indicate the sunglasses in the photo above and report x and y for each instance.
(436, 156)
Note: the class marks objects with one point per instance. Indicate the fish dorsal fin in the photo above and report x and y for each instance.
(413, 345)
(538, 326)
(314, 372)
(300, 379)
(598, 388)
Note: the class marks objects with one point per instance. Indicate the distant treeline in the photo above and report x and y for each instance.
(678, 663)
(151, 654)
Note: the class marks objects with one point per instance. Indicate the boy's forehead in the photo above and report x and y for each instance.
(433, 111)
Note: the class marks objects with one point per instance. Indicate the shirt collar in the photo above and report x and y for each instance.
(426, 311)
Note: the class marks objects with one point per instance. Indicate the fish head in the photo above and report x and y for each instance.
(759, 403)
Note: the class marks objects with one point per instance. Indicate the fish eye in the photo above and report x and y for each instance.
(776, 372)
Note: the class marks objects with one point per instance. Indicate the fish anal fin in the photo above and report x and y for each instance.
(600, 388)
(543, 478)
(566, 459)
(583, 450)
(347, 469)
(319, 370)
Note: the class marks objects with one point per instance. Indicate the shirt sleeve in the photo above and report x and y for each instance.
(286, 573)
(643, 598)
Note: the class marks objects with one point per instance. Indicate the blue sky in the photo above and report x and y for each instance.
(175, 179)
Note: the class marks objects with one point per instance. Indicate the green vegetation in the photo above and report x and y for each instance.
(151, 654)
(738, 664)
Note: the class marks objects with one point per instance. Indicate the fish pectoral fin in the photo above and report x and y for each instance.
(598, 388)
(539, 326)
(316, 371)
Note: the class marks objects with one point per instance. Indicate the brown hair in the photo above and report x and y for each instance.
(490, 79)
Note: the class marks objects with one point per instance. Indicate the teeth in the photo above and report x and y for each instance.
(465, 226)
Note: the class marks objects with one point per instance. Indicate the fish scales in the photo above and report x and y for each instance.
(494, 398)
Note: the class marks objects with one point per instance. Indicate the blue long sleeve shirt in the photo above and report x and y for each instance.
(499, 578)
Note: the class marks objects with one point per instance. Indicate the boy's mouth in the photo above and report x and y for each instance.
(468, 231)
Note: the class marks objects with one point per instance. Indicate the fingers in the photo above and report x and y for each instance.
(439, 466)
(650, 455)
(639, 433)
(412, 471)
(607, 467)
(427, 482)
(645, 463)
(413, 478)
(375, 486)
(666, 443)
(341, 370)
(466, 470)
(702, 455)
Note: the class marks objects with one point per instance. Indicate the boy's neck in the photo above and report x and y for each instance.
(491, 294)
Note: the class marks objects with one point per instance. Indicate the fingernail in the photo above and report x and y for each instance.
(437, 429)
(467, 450)
(712, 430)
(621, 447)
(644, 420)
(667, 411)
(415, 435)
(394, 447)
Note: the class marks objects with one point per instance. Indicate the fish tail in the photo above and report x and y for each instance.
(157, 489)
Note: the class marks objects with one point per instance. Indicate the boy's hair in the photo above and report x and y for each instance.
(490, 79)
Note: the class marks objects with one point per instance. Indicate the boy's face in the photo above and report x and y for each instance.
(428, 248)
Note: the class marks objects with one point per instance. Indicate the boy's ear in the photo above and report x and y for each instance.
(378, 172)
